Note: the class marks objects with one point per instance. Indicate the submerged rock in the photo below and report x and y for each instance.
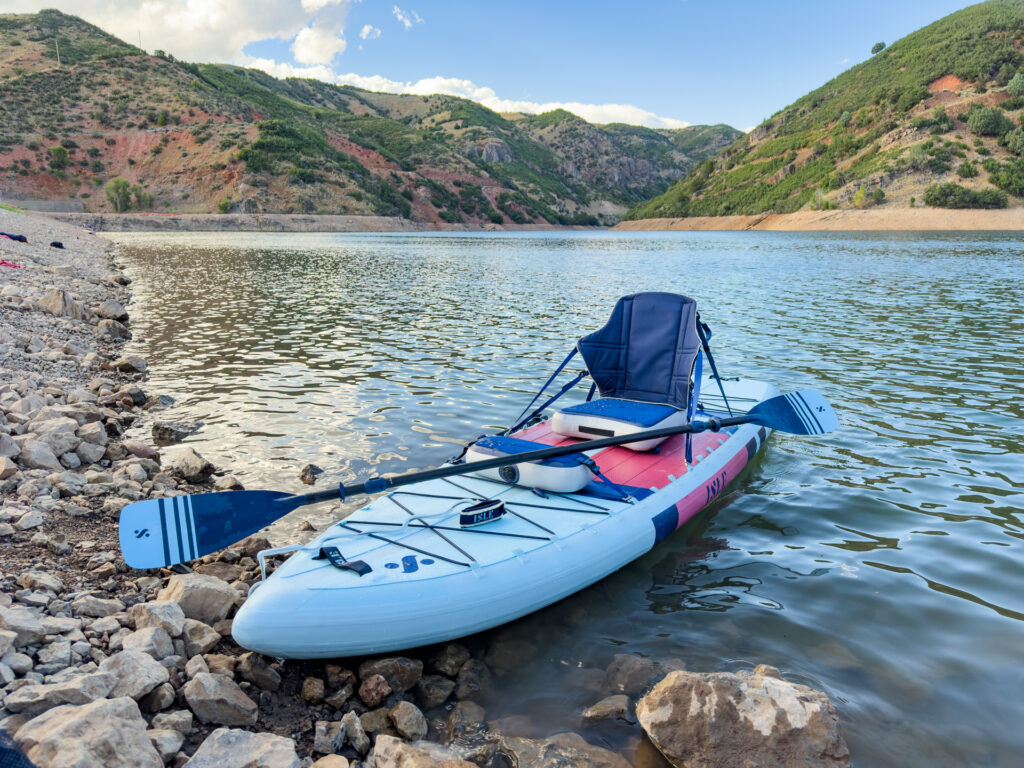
(561, 750)
(725, 720)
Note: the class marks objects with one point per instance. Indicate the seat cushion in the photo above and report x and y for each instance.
(562, 474)
(610, 417)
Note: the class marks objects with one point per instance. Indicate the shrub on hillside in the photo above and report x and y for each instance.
(954, 196)
(1016, 85)
(988, 121)
(967, 170)
(58, 158)
(1015, 141)
(118, 192)
(1010, 178)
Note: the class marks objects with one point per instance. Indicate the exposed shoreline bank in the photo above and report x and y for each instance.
(269, 222)
(880, 219)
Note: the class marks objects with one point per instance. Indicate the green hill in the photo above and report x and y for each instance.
(940, 106)
(208, 137)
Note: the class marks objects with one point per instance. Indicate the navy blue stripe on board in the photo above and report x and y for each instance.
(163, 532)
(752, 446)
(177, 529)
(665, 523)
(190, 524)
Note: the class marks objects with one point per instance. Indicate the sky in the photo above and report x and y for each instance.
(659, 63)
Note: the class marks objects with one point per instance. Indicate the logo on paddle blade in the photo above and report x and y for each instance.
(143, 534)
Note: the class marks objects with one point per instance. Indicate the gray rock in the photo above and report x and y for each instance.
(389, 752)
(180, 721)
(449, 660)
(309, 474)
(169, 433)
(108, 733)
(24, 624)
(166, 614)
(112, 310)
(434, 690)
(234, 748)
(112, 329)
(217, 699)
(474, 679)
(81, 689)
(191, 466)
(204, 598)
(57, 302)
(137, 673)
(196, 665)
(8, 448)
(254, 668)
(199, 637)
(408, 721)
(53, 657)
(158, 699)
(36, 454)
(749, 718)
(31, 519)
(328, 737)
(611, 708)
(354, 733)
(153, 641)
(98, 607)
(33, 579)
(93, 432)
(562, 749)
(166, 742)
(90, 453)
(630, 674)
(400, 672)
(7, 468)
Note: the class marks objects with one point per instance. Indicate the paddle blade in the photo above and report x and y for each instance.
(799, 413)
(157, 533)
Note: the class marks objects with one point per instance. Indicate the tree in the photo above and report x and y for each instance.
(845, 118)
(1016, 85)
(119, 194)
(58, 158)
(860, 200)
(877, 48)
(1006, 73)
(877, 195)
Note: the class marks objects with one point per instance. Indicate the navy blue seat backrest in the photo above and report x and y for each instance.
(646, 350)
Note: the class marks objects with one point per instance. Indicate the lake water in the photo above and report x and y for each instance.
(881, 563)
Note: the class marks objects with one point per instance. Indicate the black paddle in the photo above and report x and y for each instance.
(161, 532)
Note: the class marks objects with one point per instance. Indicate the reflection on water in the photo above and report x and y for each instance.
(881, 563)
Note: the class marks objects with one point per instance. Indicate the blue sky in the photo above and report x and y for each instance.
(663, 62)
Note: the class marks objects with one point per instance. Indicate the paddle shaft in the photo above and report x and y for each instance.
(378, 484)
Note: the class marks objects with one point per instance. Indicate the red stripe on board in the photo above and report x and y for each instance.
(699, 498)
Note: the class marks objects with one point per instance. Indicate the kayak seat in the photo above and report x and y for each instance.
(561, 474)
(612, 417)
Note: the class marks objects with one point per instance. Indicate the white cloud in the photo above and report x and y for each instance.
(407, 18)
(318, 44)
(369, 32)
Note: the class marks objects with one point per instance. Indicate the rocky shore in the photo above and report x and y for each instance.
(107, 667)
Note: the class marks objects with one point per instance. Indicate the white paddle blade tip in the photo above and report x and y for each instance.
(814, 411)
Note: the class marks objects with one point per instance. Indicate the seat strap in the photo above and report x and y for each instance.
(691, 411)
(590, 464)
(523, 419)
(704, 331)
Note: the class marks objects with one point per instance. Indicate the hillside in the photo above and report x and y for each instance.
(211, 137)
(933, 119)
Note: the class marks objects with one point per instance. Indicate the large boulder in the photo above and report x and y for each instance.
(721, 720)
(218, 699)
(36, 454)
(233, 748)
(57, 302)
(203, 598)
(108, 733)
(137, 673)
(80, 689)
(166, 614)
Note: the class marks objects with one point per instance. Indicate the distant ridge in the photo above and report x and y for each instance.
(933, 118)
(189, 138)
